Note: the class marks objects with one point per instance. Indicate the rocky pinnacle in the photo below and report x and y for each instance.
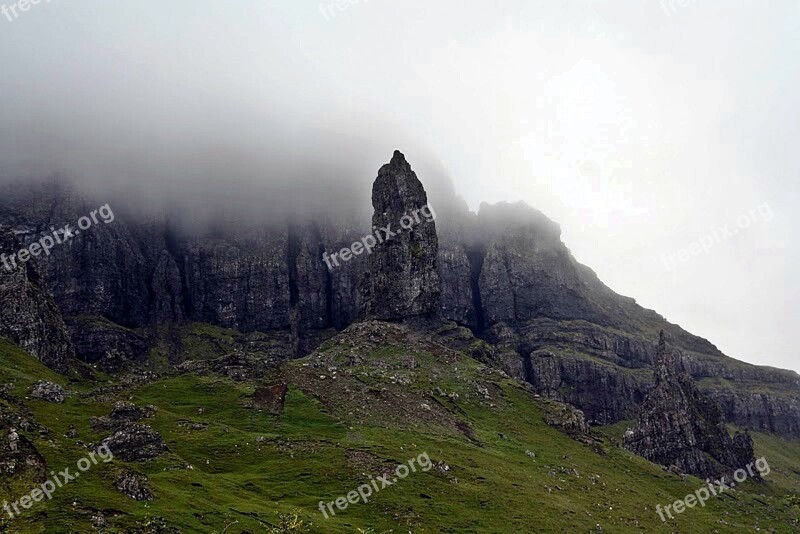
(403, 276)
(680, 426)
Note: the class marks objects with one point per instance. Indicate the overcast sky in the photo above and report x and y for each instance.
(644, 127)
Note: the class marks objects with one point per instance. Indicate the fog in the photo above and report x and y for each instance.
(641, 127)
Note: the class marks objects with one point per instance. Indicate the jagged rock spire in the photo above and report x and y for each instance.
(403, 275)
(667, 361)
(681, 427)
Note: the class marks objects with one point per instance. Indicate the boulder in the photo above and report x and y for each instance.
(48, 391)
(134, 442)
(134, 485)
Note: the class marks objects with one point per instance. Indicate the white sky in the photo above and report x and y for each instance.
(638, 127)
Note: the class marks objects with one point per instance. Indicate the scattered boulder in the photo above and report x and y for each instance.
(121, 414)
(130, 413)
(135, 442)
(192, 425)
(48, 391)
(566, 418)
(134, 485)
(239, 366)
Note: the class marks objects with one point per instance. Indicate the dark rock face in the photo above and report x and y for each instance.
(101, 272)
(457, 301)
(134, 443)
(403, 276)
(47, 391)
(527, 272)
(28, 315)
(762, 412)
(603, 392)
(461, 255)
(681, 427)
(108, 345)
(240, 283)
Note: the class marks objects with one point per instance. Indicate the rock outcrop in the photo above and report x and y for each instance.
(28, 315)
(108, 345)
(403, 276)
(19, 457)
(134, 485)
(122, 414)
(49, 392)
(135, 442)
(681, 427)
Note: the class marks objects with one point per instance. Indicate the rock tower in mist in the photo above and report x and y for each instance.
(403, 276)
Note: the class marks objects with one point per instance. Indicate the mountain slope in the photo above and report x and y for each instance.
(371, 398)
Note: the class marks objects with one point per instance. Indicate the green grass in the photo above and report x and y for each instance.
(20, 369)
(247, 465)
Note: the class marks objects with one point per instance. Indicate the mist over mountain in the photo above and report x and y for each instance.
(385, 266)
(249, 173)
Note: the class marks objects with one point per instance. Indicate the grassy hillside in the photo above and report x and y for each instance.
(364, 403)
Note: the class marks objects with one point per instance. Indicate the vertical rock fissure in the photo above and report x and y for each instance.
(476, 255)
(329, 322)
(173, 249)
(292, 248)
(292, 251)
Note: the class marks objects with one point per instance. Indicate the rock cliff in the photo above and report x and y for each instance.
(503, 272)
(28, 315)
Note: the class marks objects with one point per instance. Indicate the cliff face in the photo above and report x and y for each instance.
(681, 427)
(28, 315)
(503, 272)
(557, 326)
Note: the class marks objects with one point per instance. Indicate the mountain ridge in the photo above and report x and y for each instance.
(505, 274)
